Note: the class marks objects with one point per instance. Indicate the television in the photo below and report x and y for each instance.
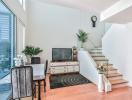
(61, 54)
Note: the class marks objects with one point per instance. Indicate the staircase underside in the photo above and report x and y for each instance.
(115, 78)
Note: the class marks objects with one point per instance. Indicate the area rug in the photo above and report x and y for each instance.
(58, 81)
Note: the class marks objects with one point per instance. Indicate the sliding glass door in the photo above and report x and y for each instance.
(7, 39)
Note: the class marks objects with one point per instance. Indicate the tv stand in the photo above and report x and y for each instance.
(64, 67)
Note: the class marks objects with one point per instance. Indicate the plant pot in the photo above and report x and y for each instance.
(100, 83)
(35, 60)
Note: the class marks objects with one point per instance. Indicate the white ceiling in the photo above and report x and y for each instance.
(122, 17)
(93, 5)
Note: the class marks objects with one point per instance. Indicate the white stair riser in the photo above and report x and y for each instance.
(97, 50)
(102, 62)
(96, 54)
(99, 57)
(112, 71)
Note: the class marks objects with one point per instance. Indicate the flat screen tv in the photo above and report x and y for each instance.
(61, 54)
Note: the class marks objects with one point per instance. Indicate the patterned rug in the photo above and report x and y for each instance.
(57, 81)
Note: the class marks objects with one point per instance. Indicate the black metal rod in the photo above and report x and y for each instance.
(39, 91)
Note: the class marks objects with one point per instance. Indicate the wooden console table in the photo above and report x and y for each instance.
(64, 67)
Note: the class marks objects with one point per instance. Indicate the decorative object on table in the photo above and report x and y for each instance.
(74, 53)
(19, 60)
(82, 37)
(94, 20)
(101, 71)
(65, 80)
(31, 52)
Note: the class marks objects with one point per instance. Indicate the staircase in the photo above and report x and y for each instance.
(115, 78)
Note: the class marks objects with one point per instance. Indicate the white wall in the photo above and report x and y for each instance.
(20, 37)
(51, 26)
(88, 67)
(129, 54)
(95, 34)
(118, 49)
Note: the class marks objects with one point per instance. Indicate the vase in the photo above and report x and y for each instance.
(100, 83)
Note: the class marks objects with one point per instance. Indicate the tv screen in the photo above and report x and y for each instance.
(61, 54)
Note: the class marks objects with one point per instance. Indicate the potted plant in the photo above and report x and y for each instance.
(101, 71)
(82, 37)
(31, 52)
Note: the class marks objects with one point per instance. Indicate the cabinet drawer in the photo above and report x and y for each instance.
(58, 71)
(58, 68)
(58, 64)
(70, 69)
(64, 63)
(72, 63)
(76, 68)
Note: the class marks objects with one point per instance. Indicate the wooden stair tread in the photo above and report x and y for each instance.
(97, 49)
(114, 75)
(120, 81)
(98, 56)
(111, 69)
(108, 65)
(95, 52)
(101, 60)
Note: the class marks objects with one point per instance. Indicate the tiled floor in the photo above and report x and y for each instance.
(85, 92)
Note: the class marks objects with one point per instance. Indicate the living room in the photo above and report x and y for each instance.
(54, 27)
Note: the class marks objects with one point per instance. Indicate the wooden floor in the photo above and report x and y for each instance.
(85, 92)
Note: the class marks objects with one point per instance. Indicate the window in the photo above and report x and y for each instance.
(7, 39)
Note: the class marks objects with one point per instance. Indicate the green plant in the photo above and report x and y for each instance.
(31, 51)
(82, 37)
(102, 69)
